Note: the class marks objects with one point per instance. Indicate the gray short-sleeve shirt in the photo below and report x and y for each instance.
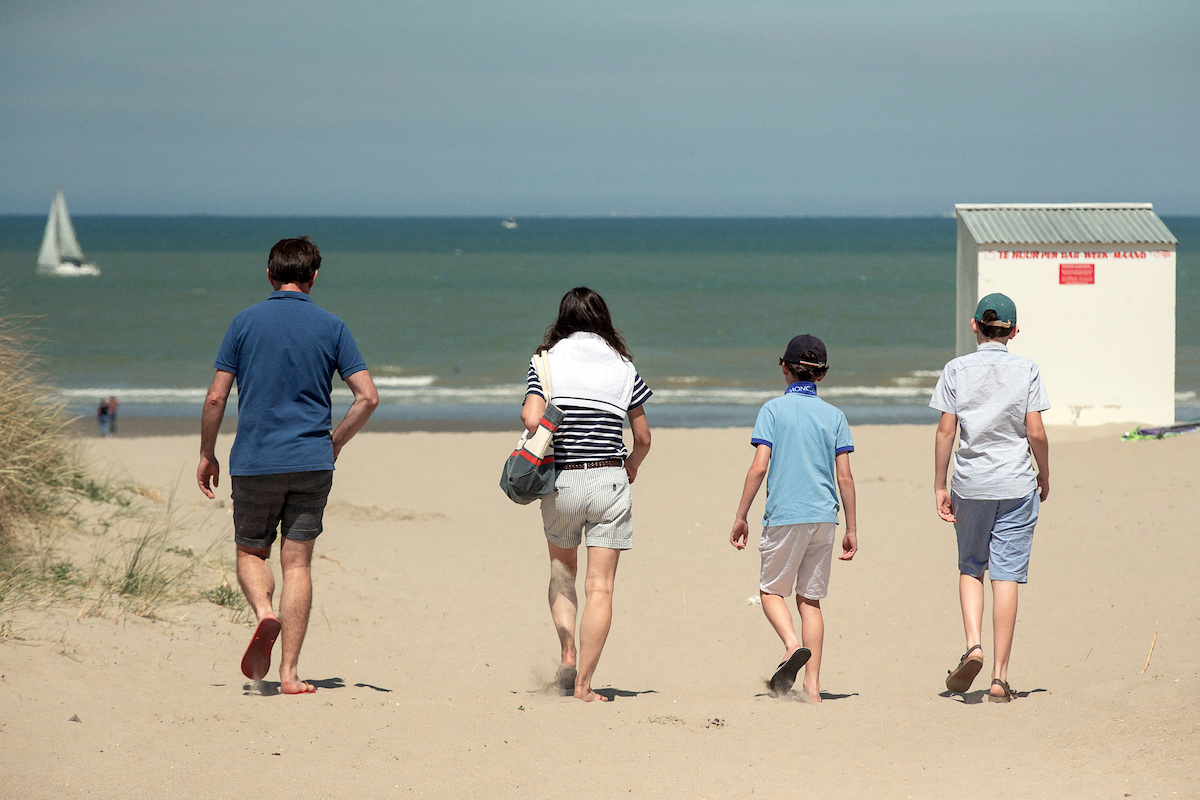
(991, 391)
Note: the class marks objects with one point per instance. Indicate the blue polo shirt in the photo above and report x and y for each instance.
(283, 352)
(805, 435)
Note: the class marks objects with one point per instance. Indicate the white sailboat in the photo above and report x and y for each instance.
(60, 254)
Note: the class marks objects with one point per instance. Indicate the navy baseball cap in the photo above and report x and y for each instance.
(1002, 304)
(804, 343)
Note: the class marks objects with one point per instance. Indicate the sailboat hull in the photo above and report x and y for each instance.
(68, 270)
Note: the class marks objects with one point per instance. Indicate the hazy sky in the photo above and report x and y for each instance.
(590, 108)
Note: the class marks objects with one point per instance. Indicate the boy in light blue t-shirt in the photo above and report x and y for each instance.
(802, 447)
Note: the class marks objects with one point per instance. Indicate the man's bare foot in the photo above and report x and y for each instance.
(299, 687)
(588, 696)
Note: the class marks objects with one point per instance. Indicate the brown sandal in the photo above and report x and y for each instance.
(1008, 695)
(960, 678)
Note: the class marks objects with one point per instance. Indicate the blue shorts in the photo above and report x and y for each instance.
(996, 535)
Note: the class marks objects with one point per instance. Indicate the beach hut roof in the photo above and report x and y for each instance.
(1064, 223)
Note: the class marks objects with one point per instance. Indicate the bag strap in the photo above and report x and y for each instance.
(541, 365)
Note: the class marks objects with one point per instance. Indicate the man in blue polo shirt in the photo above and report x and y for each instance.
(282, 352)
(805, 444)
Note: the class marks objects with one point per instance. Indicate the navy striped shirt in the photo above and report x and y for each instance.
(587, 434)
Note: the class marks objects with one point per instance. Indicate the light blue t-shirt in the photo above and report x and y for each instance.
(283, 352)
(991, 391)
(805, 435)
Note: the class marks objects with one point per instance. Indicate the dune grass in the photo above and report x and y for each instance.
(38, 463)
(49, 500)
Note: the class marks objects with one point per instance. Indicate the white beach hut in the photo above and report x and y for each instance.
(1094, 286)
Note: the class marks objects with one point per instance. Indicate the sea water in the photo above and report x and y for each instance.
(448, 311)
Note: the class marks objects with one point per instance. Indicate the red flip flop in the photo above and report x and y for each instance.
(256, 663)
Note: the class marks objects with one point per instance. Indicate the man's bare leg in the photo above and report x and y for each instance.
(812, 631)
(258, 585)
(564, 603)
(295, 603)
(597, 616)
(1004, 622)
(255, 578)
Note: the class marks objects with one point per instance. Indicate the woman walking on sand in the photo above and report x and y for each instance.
(595, 384)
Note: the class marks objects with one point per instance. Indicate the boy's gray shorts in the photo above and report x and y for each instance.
(294, 499)
(797, 555)
(594, 506)
(996, 535)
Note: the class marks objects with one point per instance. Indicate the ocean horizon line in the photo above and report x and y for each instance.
(502, 216)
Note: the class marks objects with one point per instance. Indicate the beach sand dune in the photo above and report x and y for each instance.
(432, 647)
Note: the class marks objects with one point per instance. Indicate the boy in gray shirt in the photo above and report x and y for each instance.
(995, 399)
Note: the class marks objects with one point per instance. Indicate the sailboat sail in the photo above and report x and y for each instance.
(61, 254)
(48, 255)
(68, 245)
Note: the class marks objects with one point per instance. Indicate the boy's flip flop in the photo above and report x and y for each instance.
(960, 678)
(256, 663)
(785, 675)
(1008, 695)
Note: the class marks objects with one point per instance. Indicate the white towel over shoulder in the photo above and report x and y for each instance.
(587, 372)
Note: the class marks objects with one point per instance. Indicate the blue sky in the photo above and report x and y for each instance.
(590, 108)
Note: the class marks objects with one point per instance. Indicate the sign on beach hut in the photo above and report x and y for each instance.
(1094, 286)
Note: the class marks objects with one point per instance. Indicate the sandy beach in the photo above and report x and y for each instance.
(432, 646)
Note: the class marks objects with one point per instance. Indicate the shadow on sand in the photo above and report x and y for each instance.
(366, 686)
(795, 696)
(613, 694)
(271, 688)
(980, 696)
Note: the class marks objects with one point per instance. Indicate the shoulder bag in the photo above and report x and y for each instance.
(529, 472)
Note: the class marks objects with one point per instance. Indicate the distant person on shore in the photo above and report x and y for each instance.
(594, 382)
(802, 447)
(995, 400)
(104, 418)
(282, 352)
(113, 405)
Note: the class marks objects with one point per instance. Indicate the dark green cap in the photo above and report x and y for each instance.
(1006, 310)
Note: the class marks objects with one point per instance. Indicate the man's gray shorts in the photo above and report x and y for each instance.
(996, 535)
(592, 505)
(261, 503)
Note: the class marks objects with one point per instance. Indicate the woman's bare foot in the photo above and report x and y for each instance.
(587, 695)
(564, 679)
(810, 694)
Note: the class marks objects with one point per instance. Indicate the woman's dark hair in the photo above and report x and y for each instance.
(294, 260)
(800, 372)
(582, 309)
(991, 330)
